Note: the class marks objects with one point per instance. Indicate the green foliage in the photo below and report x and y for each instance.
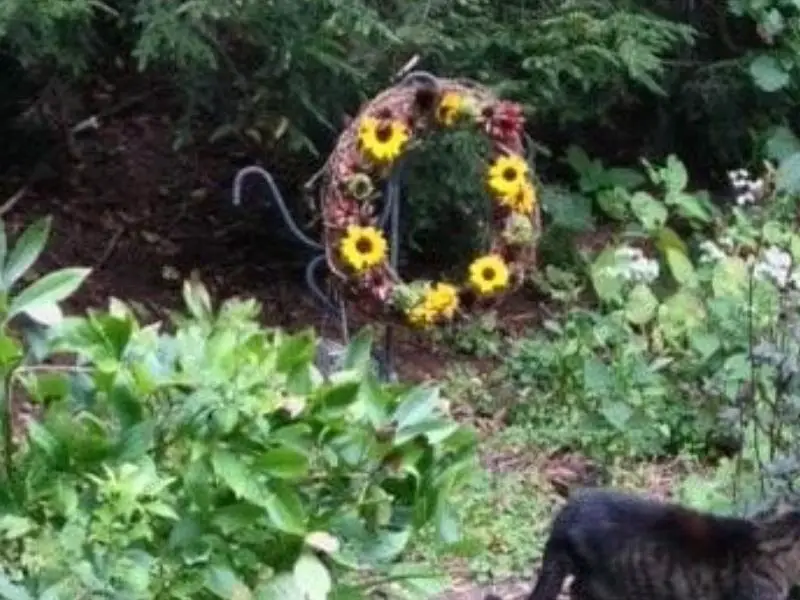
(212, 461)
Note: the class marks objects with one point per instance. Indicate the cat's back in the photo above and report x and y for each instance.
(607, 517)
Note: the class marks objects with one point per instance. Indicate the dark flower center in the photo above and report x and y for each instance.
(384, 132)
(488, 274)
(364, 245)
(510, 174)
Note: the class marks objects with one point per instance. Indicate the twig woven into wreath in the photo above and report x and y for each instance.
(366, 151)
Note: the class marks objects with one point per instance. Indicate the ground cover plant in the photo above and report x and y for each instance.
(161, 444)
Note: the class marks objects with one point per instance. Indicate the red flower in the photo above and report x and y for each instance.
(504, 122)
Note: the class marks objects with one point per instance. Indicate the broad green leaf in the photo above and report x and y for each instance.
(323, 541)
(681, 267)
(297, 350)
(642, 305)
(668, 238)
(730, 278)
(768, 74)
(284, 463)
(788, 177)
(281, 587)
(616, 413)
(285, 509)
(312, 577)
(224, 583)
(607, 285)
(680, 313)
(675, 176)
(10, 591)
(625, 178)
(615, 202)
(197, 299)
(26, 250)
(650, 212)
(567, 209)
(358, 354)
(417, 405)
(53, 287)
(597, 377)
(237, 476)
(447, 522)
(48, 315)
(13, 527)
(385, 546)
(782, 143)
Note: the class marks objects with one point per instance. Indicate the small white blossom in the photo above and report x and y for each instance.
(776, 266)
(710, 252)
(632, 265)
(746, 189)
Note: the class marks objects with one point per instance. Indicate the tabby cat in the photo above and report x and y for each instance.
(622, 547)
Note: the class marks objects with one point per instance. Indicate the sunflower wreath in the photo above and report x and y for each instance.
(385, 128)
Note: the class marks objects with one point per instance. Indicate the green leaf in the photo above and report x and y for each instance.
(616, 413)
(280, 587)
(237, 476)
(567, 209)
(675, 254)
(285, 510)
(447, 522)
(607, 285)
(782, 143)
(730, 278)
(768, 74)
(650, 212)
(13, 527)
(675, 176)
(51, 288)
(296, 350)
(312, 577)
(417, 405)
(26, 250)
(224, 583)
(197, 299)
(625, 178)
(642, 305)
(358, 355)
(10, 591)
(787, 178)
(284, 463)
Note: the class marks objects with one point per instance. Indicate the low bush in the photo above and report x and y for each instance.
(210, 459)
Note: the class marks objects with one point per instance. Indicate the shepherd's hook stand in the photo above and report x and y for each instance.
(335, 306)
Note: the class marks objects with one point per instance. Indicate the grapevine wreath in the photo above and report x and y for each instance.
(385, 128)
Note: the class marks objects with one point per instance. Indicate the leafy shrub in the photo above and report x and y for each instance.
(212, 461)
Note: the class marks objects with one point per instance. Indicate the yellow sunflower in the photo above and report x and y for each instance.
(363, 247)
(507, 174)
(382, 140)
(443, 298)
(522, 201)
(450, 107)
(440, 301)
(488, 274)
(421, 315)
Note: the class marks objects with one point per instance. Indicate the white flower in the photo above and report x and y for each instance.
(775, 265)
(632, 265)
(710, 252)
(746, 190)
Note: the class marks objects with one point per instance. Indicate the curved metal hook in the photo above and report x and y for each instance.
(429, 78)
(276, 195)
(311, 282)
